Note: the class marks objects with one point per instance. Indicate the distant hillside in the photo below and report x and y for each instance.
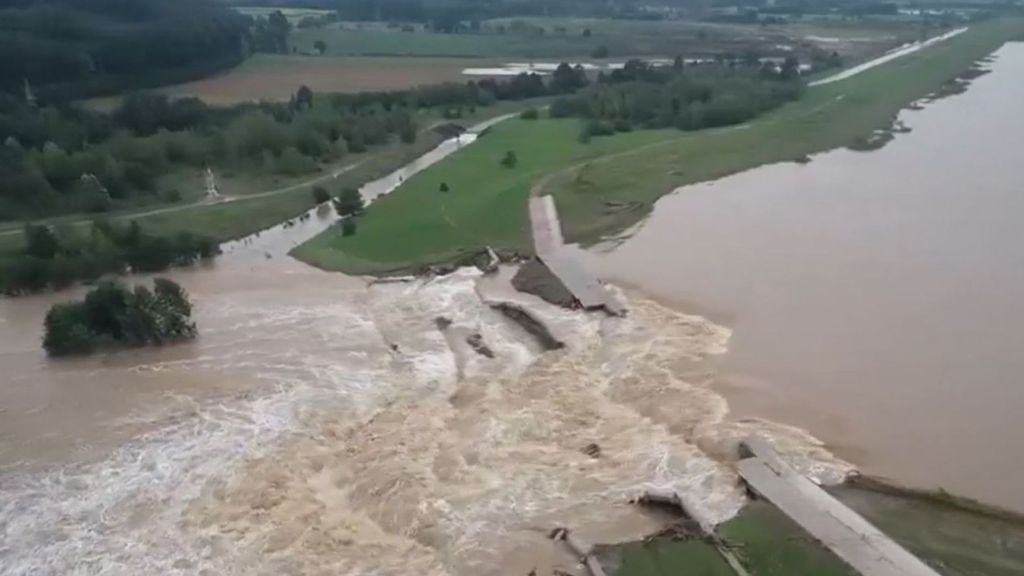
(74, 48)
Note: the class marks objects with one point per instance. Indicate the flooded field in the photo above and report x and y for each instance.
(875, 297)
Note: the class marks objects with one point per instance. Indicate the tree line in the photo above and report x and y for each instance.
(56, 257)
(112, 315)
(61, 49)
(688, 97)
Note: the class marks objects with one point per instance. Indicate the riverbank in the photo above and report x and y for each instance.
(608, 185)
(954, 536)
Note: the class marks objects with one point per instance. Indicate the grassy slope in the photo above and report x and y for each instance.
(417, 225)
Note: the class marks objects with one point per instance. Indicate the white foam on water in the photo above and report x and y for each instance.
(374, 452)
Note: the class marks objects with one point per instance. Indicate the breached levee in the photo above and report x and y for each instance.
(381, 453)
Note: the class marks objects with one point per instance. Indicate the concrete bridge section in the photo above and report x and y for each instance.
(842, 530)
(566, 266)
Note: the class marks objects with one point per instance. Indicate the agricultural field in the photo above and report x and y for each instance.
(372, 56)
(276, 77)
(579, 38)
(612, 182)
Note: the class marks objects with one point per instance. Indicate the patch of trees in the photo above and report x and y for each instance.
(74, 49)
(55, 258)
(112, 315)
(58, 159)
(62, 159)
(689, 98)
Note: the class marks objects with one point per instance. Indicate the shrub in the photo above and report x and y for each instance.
(509, 160)
(530, 114)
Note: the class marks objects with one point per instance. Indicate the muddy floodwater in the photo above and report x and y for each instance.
(876, 298)
(321, 424)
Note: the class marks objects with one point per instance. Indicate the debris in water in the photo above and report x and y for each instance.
(476, 342)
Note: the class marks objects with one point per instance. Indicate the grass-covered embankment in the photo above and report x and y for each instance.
(955, 537)
(484, 203)
(612, 182)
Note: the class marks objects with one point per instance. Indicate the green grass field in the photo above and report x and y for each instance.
(611, 183)
(419, 223)
(623, 38)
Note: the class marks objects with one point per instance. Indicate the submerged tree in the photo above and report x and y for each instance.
(113, 315)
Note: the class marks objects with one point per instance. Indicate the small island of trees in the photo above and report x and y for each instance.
(112, 315)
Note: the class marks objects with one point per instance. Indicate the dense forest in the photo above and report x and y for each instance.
(73, 48)
(113, 315)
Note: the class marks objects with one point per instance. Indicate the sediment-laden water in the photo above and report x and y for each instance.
(875, 297)
(322, 426)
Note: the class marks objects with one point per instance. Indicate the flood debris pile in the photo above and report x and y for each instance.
(112, 315)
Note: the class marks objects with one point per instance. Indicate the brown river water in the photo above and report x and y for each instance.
(325, 425)
(321, 424)
(876, 298)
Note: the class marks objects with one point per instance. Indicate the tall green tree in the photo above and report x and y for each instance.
(349, 203)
